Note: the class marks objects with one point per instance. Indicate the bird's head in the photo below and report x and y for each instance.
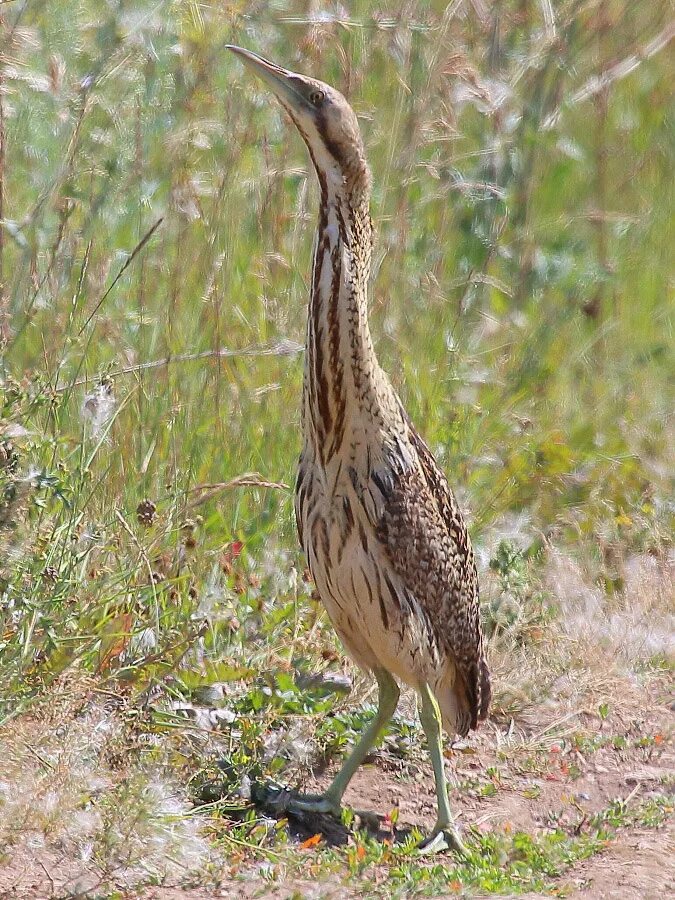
(323, 117)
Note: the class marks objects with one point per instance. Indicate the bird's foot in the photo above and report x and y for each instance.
(280, 801)
(442, 838)
(314, 803)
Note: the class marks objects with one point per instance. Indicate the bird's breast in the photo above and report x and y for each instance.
(378, 620)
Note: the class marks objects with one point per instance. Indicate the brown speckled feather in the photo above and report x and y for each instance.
(429, 548)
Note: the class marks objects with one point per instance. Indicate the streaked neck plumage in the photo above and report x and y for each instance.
(341, 370)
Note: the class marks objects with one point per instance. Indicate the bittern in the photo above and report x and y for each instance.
(384, 537)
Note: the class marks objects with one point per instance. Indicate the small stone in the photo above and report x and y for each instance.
(328, 682)
(245, 788)
(209, 694)
(226, 716)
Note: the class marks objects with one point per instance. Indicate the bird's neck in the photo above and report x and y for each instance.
(340, 364)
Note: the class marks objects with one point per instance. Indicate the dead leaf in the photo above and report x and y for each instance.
(312, 841)
(117, 634)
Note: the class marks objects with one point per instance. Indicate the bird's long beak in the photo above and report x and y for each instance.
(278, 79)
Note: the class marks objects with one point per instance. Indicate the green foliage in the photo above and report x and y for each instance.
(516, 610)
(496, 863)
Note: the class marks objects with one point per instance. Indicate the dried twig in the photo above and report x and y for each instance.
(141, 549)
(284, 347)
(46, 871)
(250, 479)
(552, 726)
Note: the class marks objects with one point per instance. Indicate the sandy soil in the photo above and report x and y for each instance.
(541, 779)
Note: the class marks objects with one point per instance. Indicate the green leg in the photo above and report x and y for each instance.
(330, 801)
(444, 836)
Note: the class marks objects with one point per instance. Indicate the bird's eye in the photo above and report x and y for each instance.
(316, 98)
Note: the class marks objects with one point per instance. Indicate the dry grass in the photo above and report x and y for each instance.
(573, 648)
(72, 782)
(628, 631)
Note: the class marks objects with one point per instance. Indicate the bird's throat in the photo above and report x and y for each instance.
(340, 362)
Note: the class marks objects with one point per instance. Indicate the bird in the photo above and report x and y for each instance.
(383, 535)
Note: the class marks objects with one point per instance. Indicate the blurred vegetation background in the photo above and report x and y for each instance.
(156, 221)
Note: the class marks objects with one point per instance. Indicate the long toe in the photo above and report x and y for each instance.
(440, 840)
(314, 804)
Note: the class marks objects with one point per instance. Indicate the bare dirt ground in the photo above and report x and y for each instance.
(638, 864)
(513, 779)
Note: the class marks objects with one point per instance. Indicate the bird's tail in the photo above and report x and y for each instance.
(464, 696)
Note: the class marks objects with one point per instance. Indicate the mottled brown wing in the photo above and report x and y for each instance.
(428, 546)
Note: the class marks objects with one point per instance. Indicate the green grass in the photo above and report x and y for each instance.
(157, 219)
(501, 862)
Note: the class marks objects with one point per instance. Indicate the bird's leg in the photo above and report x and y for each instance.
(444, 835)
(330, 801)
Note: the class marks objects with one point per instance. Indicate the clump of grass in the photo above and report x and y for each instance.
(559, 640)
(633, 627)
(74, 780)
